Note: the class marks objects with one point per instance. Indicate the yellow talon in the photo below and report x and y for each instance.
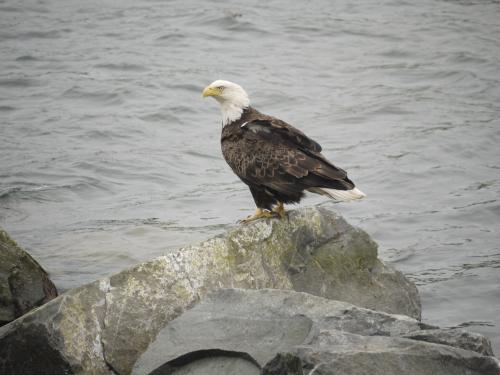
(259, 214)
(280, 210)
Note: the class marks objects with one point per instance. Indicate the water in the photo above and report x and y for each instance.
(109, 155)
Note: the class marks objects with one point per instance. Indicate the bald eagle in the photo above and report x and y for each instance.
(277, 161)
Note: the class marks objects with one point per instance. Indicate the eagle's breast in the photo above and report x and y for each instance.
(235, 149)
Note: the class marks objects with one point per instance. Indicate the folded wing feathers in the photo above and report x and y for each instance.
(311, 160)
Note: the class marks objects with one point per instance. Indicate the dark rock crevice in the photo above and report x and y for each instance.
(184, 360)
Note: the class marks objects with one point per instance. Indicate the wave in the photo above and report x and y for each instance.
(98, 97)
(126, 67)
(232, 21)
(19, 82)
(26, 58)
(172, 37)
(160, 116)
(51, 192)
(26, 35)
(7, 108)
(25, 191)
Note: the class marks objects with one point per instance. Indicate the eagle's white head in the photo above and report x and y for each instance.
(232, 98)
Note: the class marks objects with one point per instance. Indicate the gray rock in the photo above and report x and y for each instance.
(24, 284)
(315, 251)
(341, 353)
(456, 337)
(286, 332)
(61, 337)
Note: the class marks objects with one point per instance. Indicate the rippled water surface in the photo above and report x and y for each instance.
(109, 156)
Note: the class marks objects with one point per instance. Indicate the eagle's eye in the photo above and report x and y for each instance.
(220, 88)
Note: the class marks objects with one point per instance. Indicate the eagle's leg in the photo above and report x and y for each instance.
(259, 214)
(280, 210)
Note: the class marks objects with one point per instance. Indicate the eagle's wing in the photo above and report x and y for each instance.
(286, 160)
(284, 131)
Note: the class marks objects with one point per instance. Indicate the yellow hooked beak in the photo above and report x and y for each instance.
(211, 91)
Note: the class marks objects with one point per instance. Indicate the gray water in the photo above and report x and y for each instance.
(109, 155)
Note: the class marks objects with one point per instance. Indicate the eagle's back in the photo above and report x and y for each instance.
(265, 151)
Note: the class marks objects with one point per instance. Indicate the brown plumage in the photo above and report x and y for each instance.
(277, 161)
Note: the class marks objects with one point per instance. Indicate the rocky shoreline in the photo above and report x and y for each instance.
(272, 297)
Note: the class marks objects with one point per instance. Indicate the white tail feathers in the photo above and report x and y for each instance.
(339, 195)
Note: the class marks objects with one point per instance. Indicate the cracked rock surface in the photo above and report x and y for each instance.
(105, 326)
(249, 332)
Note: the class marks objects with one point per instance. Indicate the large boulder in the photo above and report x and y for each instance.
(249, 332)
(107, 325)
(24, 284)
